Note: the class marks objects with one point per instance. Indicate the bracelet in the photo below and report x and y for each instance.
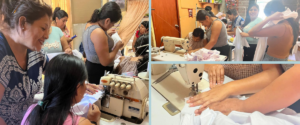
(94, 122)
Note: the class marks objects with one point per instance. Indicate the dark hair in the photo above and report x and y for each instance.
(208, 8)
(232, 12)
(62, 76)
(145, 24)
(224, 21)
(32, 10)
(109, 10)
(277, 6)
(248, 19)
(59, 13)
(198, 32)
(142, 40)
(143, 63)
(202, 13)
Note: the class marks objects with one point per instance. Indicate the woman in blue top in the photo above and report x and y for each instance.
(251, 20)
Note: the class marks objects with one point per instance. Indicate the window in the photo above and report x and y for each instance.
(262, 4)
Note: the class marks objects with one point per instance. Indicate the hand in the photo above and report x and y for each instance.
(94, 113)
(133, 49)
(110, 32)
(68, 51)
(119, 45)
(93, 88)
(244, 34)
(276, 16)
(69, 40)
(216, 94)
(226, 106)
(216, 75)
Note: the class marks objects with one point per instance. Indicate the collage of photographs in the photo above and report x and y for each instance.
(149, 62)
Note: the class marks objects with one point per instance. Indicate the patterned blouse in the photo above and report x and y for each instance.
(128, 66)
(20, 85)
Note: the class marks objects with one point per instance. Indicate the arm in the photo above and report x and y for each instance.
(64, 43)
(283, 92)
(133, 43)
(2, 89)
(216, 30)
(99, 39)
(84, 121)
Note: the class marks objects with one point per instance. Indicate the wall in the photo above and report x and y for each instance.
(189, 24)
(243, 7)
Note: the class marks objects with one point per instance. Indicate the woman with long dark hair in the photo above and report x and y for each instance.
(143, 29)
(252, 19)
(281, 37)
(216, 33)
(97, 44)
(64, 86)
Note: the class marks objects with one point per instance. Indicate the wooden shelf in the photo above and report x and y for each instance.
(209, 3)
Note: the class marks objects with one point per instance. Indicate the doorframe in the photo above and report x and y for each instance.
(177, 9)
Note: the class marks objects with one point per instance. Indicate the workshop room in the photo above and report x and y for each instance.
(82, 62)
(225, 30)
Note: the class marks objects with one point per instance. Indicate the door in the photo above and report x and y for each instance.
(165, 19)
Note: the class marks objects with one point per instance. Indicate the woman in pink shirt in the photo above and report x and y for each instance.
(64, 86)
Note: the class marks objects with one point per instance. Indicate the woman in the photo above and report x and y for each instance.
(143, 29)
(136, 64)
(20, 40)
(196, 40)
(21, 63)
(273, 97)
(97, 44)
(216, 33)
(63, 89)
(59, 19)
(252, 19)
(281, 37)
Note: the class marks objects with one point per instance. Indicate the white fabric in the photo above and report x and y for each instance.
(82, 107)
(116, 39)
(262, 41)
(210, 117)
(239, 43)
(204, 55)
(77, 54)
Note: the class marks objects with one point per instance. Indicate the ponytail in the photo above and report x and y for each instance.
(109, 10)
(59, 14)
(203, 13)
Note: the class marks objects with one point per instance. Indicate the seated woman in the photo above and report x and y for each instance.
(59, 19)
(56, 42)
(196, 40)
(143, 29)
(281, 37)
(63, 88)
(136, 64)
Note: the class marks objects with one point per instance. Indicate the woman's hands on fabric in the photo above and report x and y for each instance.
(110, 32)
(119, 45)
(93, 88)
(94, 113)
(245, 34)
(68, 51)
(276, 16)
(215, 75)
(216, 94)
(226, 106)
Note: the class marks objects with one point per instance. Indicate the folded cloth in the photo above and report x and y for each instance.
(239, 43)
(262, 41)
(82, 107)
(203, 55)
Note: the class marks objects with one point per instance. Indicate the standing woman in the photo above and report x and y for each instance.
(281, 37)
(216, 32)
(97, 44)
(251, 20)
(59, 19)
(26, 27)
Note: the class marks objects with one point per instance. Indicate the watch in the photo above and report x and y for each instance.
(94, 122)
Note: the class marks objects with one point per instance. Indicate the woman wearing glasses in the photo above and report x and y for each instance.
(97, 44)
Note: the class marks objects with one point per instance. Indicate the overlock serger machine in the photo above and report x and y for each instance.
(192, 75)
(125, 97)
(170, 42)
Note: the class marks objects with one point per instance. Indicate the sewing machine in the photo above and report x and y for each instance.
(125, 97)
(178, 83)
(170, 42)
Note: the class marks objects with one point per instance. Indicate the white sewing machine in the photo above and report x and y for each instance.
(125, 97)
(176, 85)
(170, 42)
